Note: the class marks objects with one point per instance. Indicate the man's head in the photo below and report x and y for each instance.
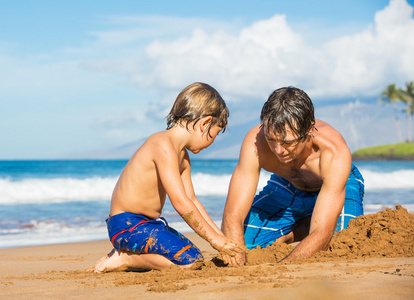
(196, 101)
(288, 108)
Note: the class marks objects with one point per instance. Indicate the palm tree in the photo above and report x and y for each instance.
(407, 96)
(391, 95)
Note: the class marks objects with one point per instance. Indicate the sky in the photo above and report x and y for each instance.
(91, 79)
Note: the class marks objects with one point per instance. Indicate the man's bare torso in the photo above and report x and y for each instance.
(304, 171)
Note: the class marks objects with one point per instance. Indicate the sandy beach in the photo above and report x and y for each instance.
(372, 259)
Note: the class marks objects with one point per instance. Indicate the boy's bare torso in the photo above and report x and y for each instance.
(139, 189)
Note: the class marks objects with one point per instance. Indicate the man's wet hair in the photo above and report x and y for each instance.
(288, 106)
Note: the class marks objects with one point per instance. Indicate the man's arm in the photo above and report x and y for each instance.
(242, 189)
(335, 171)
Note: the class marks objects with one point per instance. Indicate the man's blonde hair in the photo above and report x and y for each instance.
(196, 101)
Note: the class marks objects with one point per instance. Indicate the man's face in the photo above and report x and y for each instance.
(285, 148)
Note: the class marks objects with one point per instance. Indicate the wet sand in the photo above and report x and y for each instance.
(372, 259)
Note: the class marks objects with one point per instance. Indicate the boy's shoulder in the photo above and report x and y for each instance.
(160, 146)
(161, 137)
(159, 141)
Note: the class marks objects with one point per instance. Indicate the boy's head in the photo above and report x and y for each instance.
(288, 107)
(196, 101)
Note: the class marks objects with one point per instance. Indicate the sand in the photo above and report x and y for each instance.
(372, 259)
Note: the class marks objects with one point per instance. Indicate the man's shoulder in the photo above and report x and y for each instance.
(253, 138)
(322, 126)
(333, 149)
(254, 132)
(329, 136)
(255, 149)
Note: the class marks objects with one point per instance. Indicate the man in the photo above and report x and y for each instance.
(313, 177)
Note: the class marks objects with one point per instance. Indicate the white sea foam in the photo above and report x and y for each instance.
(52, 233)
(58, 190)
(55, 190)
(207, 184)
(402, 179)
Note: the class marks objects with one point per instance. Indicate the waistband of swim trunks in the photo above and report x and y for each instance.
(127, 215)
(355, 173)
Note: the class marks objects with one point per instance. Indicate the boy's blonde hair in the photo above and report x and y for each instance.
(196, 101)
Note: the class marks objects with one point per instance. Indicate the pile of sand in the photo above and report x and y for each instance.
(388, 233)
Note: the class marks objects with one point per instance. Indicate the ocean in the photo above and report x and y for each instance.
(45, 202)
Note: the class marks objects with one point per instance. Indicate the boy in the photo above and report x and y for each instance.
(160, 167)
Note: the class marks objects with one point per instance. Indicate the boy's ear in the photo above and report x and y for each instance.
(205, 122)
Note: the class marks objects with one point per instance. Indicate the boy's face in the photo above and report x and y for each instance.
(204, 139)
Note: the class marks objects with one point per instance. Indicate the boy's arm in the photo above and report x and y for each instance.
(167, 163)
(335, 171)
(189, 190)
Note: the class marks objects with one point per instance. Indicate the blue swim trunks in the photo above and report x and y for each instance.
(277, 209)
(142, 235)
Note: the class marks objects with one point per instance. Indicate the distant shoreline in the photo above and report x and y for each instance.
(383, 157)
(401, 151)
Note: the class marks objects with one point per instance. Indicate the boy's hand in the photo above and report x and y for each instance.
(227, 247)
(238, 260)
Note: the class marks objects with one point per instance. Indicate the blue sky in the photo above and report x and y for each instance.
(83, 78)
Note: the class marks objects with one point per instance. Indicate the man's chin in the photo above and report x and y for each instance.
(284, 159)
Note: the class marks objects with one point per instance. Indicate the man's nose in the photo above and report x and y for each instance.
(279, 148)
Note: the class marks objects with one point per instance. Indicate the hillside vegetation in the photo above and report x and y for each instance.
(401, 151)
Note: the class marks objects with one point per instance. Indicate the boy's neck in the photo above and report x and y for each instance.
(179, 136)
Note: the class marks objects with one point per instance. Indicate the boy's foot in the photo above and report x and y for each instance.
(111, 262)
(92, 269)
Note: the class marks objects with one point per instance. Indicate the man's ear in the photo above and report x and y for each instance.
(205, 123)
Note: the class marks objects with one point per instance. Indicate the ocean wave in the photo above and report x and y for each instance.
(51, 232)
(59, 190)
(55, 190)
(402, 179)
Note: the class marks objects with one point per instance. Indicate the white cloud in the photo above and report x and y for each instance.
(363, 63)
(134, 70)
(246, 64)
(133, 27)
(268, 54)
